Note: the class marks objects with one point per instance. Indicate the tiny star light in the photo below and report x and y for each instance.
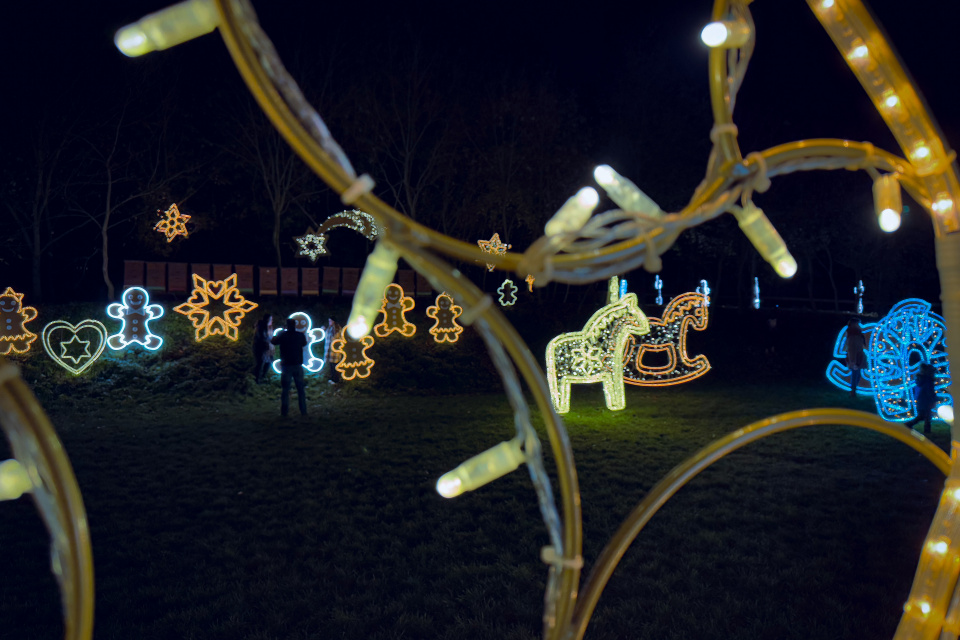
(658, 285)
(595, 354)
(887, 202)
(198, 307)
(756, 292)
(167, 28)
(173, 223)
(493, 246)
(311, 245)
(445, 313)
(508, 293)
(668, 336)
(135, 312)
(858, 291)
(304, 324)
(14, 336)
(63, 343)
(394, 307)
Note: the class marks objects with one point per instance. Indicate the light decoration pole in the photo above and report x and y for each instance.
(858, 291)
(658, 285)
(756, 292)
(589, 248)
(704, 290)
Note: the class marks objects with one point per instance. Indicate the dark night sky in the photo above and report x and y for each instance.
(632, 61)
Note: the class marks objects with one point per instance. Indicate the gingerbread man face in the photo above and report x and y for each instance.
(14, 336)
(354, 361)
(395, 304)
(445, 313)
(135, 314)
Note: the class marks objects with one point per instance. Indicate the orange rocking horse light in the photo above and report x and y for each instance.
(668, 335)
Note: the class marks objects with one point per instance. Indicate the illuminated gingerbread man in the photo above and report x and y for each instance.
(445, 329)
(395, 304)
(354, 361)
(135, 313)
(311, 363)
(14, 336)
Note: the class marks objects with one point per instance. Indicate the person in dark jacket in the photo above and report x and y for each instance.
(925, 394)
(262, 349)
(291, 343)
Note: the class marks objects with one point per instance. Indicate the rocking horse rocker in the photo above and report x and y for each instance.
(668, 335)
(595, 354)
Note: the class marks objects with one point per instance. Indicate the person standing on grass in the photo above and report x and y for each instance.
(262, 349)
(291, 343)
(856, 353)
(926, 396)
(332, 358)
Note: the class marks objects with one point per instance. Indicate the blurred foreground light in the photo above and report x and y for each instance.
(624, 193)
(761, 233)
(168, 27)
(574, 213)
(887, 202)
(946, 413)
(14, 480)
(889, 220)
(377, 274)
(481, 469)
(728, 34)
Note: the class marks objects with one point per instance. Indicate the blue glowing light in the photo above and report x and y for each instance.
(135, 314)
(311, 363)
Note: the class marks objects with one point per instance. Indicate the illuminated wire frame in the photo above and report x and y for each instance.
(76, 349)
(135, 314)
(311, 363)
(494, 246)
(173, 223)
(14, 336)
(907, 336)
(198, 307)
(838, 372)
(668, 336)
(395, 305)
(314, 243)
(595, 354)
(311, 245)
(354, 361)
(445, 314)
(508, 293)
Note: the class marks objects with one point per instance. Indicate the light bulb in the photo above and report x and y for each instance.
(377, 274)
(167, 27)
(762, 234)
(945, 411)
(624, 193)
(887, 202)
(826, 4)
(939, 547)
(889, 220)
(14, 480)
(728, 34)
(574, 213)
(482, 468)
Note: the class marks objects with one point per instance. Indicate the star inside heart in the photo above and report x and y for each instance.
(74, 346)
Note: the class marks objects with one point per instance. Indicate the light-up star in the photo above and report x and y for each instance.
(174, 224)
(84, 349)
(493, 245)
(197, 307)
(312, 245)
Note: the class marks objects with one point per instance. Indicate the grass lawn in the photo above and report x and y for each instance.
(213, 518)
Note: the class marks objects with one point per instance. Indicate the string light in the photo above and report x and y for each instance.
(595, 353)
(76, 350)
(572, 215)
(482, 468)
(887, 202)
(135, 313)
(379, 270)
(508, 293)
(354, 361)
(14, 336)
(493, 246)
(197, 307)
(668, 335)
(14, 480)
(304, 325)
(445, 313)
(173, 223)
(166, 28)
(624, 193)
(765, 239)
(393, 307)
(313, 244)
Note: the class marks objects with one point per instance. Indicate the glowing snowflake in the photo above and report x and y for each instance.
(197, 308)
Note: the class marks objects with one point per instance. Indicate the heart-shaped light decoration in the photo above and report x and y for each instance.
(74, 346)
